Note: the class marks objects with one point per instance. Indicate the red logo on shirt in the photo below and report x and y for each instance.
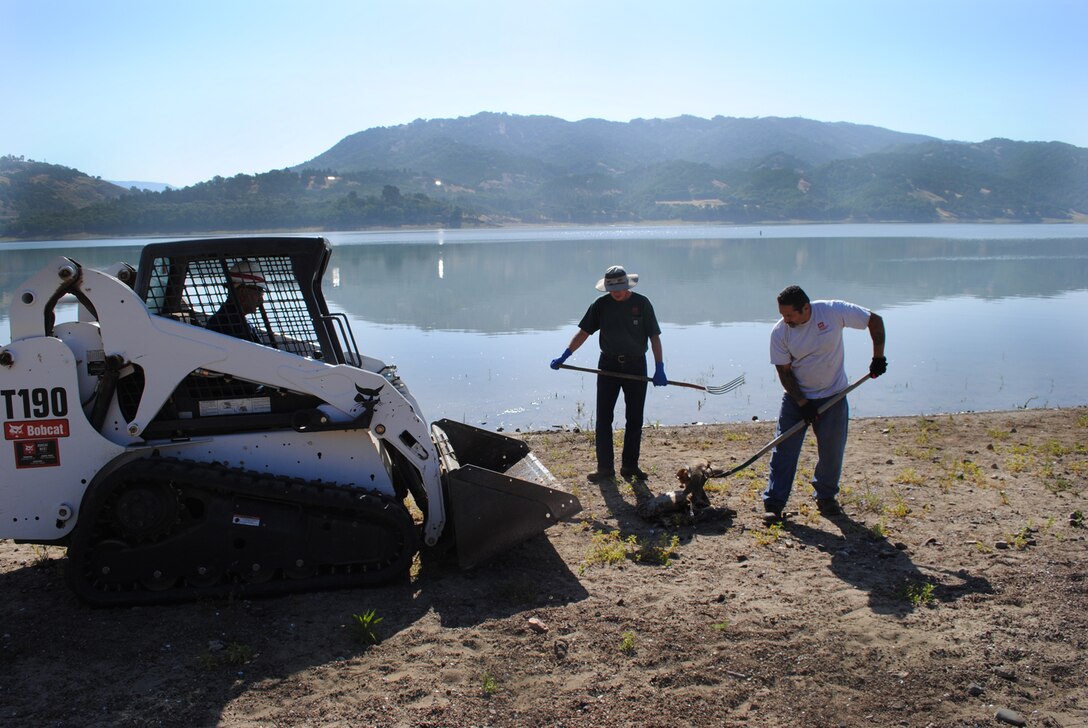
(821, 325)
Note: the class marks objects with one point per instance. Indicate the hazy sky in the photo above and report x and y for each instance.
(179, 91)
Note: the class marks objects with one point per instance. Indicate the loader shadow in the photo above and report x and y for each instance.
(895, 584)
(193, 660)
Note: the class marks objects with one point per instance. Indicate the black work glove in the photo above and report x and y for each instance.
(809, 412)
(878, 366)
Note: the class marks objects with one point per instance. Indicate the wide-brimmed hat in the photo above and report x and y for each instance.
(617, 279)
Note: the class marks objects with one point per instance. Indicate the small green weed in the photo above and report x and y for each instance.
(237, 654)
(964, 471)
(363, 627)
(1017, 463)
(870, 501)
(609, 548)
(720, 626)
(1054, 449)
(42, 556)
(899, 509)
(627, 643)
(1058, 485)
(1000, 435)
(232, 654)
(1022, 538)
(909, 476)
(769, 535)
(879, 530)
(659, 551)
(918, 594)
(1076, 519)
(490, 685)
(927, 430)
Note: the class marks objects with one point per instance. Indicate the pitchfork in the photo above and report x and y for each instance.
(720, 389)
(717, 473)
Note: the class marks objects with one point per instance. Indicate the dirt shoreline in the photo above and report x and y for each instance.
(953, 588)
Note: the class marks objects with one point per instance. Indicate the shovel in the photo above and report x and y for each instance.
(788, 433)
(721, 389)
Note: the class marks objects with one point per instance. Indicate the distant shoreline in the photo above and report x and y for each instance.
(1080, 220)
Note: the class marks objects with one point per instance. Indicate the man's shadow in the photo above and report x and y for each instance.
(895, 584)
(711, 521)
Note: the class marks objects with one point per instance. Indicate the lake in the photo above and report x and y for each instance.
(979, 317)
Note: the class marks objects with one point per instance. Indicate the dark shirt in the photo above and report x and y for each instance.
(230, 320)
(625, 326)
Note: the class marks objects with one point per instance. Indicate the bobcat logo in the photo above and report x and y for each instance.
(367, 395)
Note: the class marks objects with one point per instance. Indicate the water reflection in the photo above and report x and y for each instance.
(497, 288)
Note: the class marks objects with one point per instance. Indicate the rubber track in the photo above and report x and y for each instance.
(319, 503)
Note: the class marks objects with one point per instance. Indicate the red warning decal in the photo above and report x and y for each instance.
(37, 453)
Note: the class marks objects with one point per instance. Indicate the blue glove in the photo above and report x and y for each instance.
(562, 358)
(660, 380)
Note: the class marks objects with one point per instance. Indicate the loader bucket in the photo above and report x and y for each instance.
(498, 493)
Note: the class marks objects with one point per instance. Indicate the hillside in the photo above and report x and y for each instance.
(494, 169)
(36, 188)
(500, 144)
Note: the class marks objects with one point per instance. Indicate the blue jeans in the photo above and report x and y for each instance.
(831, 429)
(634, 401)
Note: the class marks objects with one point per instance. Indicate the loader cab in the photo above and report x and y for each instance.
(202, 281)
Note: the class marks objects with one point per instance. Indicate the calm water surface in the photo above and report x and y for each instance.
(979, 317)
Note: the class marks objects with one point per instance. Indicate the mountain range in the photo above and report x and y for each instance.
(486, 146)
(494, 168)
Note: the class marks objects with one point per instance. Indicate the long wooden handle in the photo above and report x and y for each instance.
(636, 377)
(790, 432)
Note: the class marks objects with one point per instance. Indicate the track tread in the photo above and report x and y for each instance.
(321, 507)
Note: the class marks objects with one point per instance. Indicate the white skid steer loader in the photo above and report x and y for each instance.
(207, 427)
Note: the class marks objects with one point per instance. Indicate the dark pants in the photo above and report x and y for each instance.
(634, 400)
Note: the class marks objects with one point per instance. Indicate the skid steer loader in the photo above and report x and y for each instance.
(208, 427)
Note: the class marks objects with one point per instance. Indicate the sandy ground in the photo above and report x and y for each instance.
(953, 588)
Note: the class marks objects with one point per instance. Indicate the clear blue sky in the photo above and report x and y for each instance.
(180, 91)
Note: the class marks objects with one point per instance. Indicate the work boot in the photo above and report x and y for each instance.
(600, 475)
(772, 516)
(633, 472)
(828, 507)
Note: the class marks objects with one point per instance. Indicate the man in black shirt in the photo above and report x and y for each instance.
(627, 323)
(244, 297)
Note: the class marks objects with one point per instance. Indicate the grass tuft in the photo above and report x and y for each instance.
(627, 643)
(919, 595)
(363, 627)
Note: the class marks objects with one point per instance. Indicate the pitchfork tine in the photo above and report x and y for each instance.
(727, 387)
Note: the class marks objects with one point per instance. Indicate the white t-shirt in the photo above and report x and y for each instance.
(814, 349)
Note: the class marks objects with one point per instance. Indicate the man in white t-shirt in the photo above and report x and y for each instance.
(807, 351)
